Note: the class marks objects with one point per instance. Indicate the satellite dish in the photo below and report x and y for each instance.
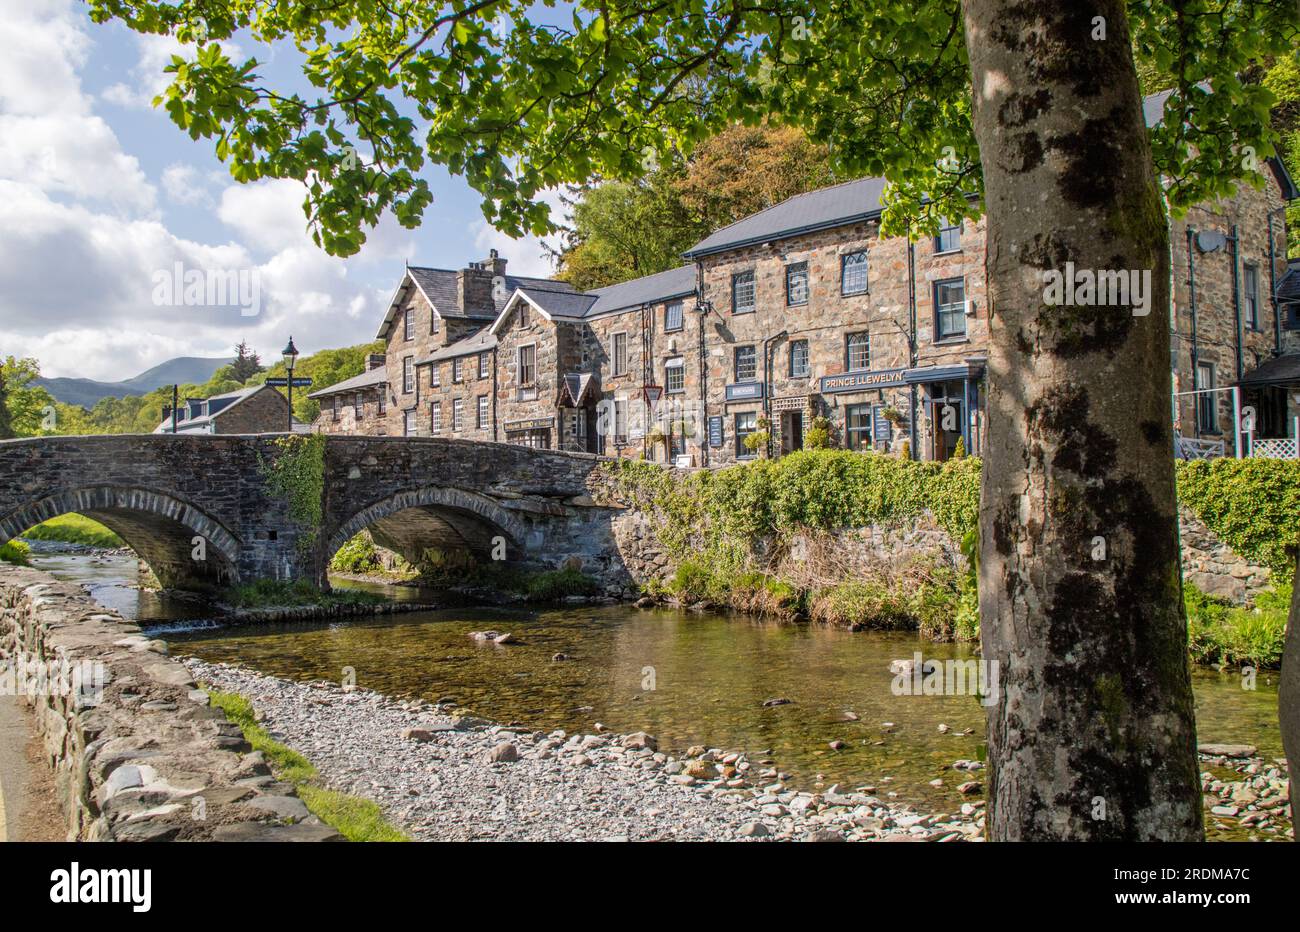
(1210, 241)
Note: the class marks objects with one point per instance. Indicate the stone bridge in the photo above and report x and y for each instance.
(198, 508)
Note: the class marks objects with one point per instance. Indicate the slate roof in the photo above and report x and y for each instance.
(376, 376)
(574, 388)
(472, 345)
(217, 406)
(854, 201)
(823, 209)
(674, 283)
(1280, 370)
(439, 286)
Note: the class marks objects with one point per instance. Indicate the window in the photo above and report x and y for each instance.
(457, 415)
(334, 404)
(408, 422)
(619, 353)
(949, 238)
(950, 309)
(455, 370)
(434, 325)
(673, 316)
(356, 405)
(482, 421)
(746, 364)
(857, 351)
(527, 364)
(853, 273)
(1250, 296)
(798, 359)
(1207, 407)
(435, 418)
(746, 424)
(483, 363)
(435, 375)
(620, 421)
(796, 283)
(675, 375)
(408, 324)
(383, 400)
(857, 427)
(523, 315)
(742, 293)
(408, 375)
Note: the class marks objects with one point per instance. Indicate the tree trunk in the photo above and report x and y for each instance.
(1288, 694)
(1092, 735)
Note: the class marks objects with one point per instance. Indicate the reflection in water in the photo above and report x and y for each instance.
(684, 677)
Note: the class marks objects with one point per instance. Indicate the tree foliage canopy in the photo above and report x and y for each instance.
(520, 97)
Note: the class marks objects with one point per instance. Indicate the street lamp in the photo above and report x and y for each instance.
(290, 354)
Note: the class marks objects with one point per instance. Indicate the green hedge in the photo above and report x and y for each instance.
(1252, 505)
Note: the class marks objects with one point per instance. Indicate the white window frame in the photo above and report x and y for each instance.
(618, 366)
(481, 417)
(519, 366)
(408, 375)
(435, 417)
(678, 363)
(457, 415)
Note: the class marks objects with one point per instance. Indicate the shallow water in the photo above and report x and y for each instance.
(686, 678)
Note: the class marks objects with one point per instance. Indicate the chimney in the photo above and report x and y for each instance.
(374, 361)
(474, 287)
(494, 263)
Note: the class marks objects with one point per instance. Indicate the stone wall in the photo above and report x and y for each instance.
(1214, 567)
(821, 558)
(137, 752)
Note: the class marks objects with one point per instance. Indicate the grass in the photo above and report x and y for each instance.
(274, 593)
(355, 818)
(75, 529)
(1219, 632)
(557, 584)
(14, 551)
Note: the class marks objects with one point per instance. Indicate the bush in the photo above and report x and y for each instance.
(859, 604)
(1252, 504)
(1219, 632)
(358, 555)
(557, 584)
(14, 551)
(274, 593)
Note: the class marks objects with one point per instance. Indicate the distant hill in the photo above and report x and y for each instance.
(184, 370)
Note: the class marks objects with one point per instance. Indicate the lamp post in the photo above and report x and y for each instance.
(290, 354)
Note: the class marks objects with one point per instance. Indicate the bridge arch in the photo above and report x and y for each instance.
(414, 520)
(157, 526)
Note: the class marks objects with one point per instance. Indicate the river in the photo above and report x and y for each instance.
(687, 678)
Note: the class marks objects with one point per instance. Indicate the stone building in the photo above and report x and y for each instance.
(258, 409)
(802, 319)
(358, 405)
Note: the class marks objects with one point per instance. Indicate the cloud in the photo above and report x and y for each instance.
(526, 255)
(148, 77)
(185, 185)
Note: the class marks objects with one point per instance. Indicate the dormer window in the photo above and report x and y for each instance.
(522, 313)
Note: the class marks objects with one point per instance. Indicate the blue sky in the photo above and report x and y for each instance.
(100, 194)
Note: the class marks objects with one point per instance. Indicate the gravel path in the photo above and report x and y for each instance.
(445, 778)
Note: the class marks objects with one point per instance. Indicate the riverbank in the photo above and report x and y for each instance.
(445, 777)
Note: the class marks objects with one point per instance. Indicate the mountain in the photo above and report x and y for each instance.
(182, 370)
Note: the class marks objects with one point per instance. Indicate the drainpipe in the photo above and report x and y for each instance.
(1272, 283)
(702, 309)
(1191, 306)
(496, 423)
(1236, 302)
(767, 384)
(911, 343)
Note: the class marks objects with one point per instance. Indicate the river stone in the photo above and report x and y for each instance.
(640, 740)
(284, 808)
(823, 834)
(754, 830)
(1227, 750)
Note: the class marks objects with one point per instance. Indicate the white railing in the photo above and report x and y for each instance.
(1284, 448)
(1193, 448)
